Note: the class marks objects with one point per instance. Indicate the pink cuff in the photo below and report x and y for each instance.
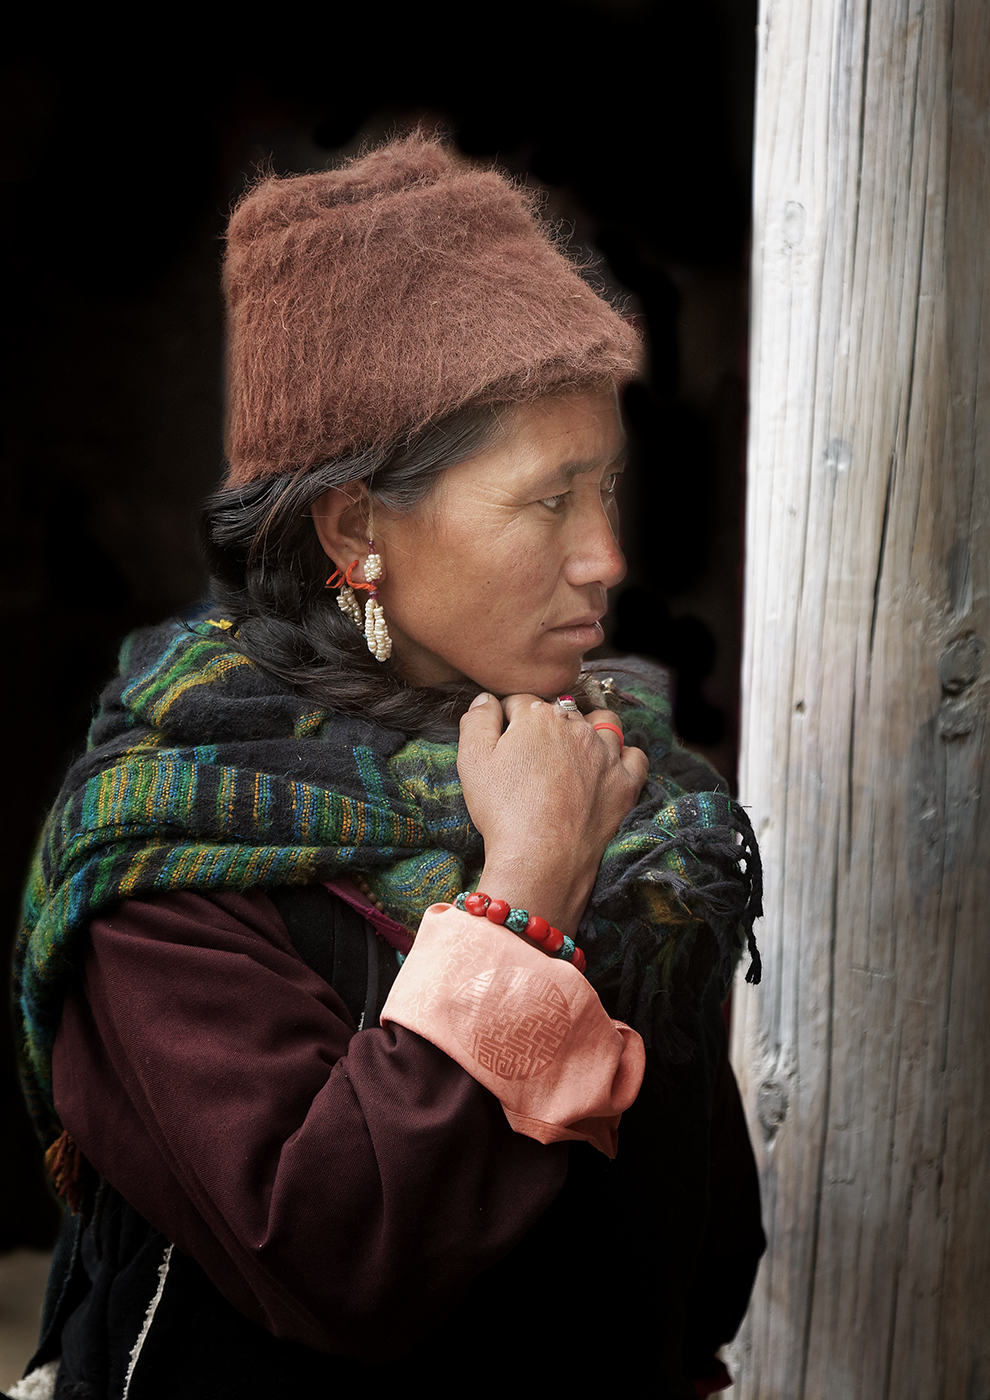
(530, 1028)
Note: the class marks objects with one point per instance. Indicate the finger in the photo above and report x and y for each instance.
(636, 764)
(481, 724)
(604, 717)
(611, 736)
(516, 705)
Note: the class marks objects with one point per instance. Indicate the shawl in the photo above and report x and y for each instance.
(203, 772)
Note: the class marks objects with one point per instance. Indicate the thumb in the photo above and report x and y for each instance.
(481, 726)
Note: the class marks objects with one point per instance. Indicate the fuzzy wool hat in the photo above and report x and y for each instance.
(366, 301)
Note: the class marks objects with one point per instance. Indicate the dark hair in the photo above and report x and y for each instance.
(269, 571)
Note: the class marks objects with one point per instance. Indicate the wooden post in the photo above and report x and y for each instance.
(865, 1055)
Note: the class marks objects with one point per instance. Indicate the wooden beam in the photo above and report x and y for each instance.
(865, 1055)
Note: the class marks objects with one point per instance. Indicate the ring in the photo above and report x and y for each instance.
(615, 730)
(568, 703)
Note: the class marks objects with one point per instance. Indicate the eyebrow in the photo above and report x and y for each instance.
(569, 470)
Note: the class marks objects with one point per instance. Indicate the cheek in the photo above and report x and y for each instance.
(425, 591)
(489, 576)
(468, 585)
(514, 594)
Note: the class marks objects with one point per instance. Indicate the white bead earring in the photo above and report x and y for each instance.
(372, 621)
(346, 599)
(375, 631)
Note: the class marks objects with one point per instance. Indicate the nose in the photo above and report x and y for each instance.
(596, 557)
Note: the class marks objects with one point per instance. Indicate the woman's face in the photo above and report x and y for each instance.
(500, 574)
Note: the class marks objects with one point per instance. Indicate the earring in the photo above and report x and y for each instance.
(346, 599)
(348, 604)
(373, 619)
(375, 631)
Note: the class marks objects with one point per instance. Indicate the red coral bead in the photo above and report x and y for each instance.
(497, 911)
(537, 928)
(476, 903)
(579, 960)
(553, 940)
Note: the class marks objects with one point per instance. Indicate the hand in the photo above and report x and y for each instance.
(547, 795)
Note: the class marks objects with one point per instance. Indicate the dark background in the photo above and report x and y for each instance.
(122, 156)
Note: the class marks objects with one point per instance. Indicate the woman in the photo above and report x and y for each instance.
(299, 1145)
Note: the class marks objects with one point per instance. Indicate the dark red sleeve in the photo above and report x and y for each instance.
(341, 1188)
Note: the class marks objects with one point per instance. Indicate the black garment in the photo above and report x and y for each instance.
(595, 1293)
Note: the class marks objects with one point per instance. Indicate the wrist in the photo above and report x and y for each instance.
(531, 927)
(554, 895)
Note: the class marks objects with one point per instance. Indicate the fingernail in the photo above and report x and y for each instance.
(481, 699)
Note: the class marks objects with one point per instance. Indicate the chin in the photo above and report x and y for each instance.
(547, 685)
(546, 677)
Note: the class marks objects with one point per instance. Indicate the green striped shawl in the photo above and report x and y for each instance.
(203, 772)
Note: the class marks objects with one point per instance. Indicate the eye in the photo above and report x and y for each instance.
(610, 484)
(555, 503)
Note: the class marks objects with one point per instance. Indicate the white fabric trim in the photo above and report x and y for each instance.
(39, 1385)
(149, 1317)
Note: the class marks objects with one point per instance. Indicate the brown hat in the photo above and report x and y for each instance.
(366, 301)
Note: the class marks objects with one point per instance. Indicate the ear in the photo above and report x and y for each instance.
(340, 517)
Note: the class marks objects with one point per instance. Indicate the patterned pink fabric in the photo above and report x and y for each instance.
(528, 1027)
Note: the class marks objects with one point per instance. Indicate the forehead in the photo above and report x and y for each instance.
(572, 430)
(551, 440)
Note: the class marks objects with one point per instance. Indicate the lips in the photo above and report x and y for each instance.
(580, 633)
(588, 620)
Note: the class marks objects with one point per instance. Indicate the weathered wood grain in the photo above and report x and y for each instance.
(865, 1056)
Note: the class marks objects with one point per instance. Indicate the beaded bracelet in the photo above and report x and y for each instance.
(550, 939)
